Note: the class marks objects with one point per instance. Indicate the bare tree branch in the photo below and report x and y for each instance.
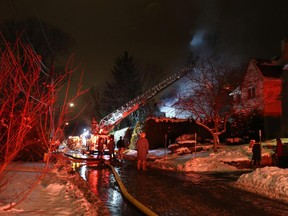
(206, 95)
(28, 112)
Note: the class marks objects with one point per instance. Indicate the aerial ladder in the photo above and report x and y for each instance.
(107, 123)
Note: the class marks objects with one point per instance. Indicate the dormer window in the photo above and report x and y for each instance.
(251, 92)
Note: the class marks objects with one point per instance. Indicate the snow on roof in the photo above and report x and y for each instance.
(165, 119)
(235, 91)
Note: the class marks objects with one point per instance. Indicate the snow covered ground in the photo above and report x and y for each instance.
(57, 193)
(269, 181)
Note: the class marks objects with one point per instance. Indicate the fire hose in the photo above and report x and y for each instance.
(128, 196)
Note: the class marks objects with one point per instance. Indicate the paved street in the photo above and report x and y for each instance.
(168, 193)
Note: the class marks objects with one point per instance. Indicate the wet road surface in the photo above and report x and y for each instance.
(169, 193)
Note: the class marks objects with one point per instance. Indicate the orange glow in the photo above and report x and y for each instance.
(98, 178)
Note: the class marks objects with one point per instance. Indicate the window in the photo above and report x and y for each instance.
(251, 92)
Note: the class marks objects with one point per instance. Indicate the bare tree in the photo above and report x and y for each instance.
(28, 105)
(206, 95)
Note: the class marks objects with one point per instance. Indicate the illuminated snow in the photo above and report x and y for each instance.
(58, 198)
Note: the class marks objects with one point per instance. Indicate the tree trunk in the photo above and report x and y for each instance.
(216, 141)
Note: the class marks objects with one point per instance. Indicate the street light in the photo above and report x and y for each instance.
(71, 104)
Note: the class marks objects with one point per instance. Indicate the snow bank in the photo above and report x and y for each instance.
(268, 181)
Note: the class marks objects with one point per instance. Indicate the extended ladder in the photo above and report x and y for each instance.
(108, 122)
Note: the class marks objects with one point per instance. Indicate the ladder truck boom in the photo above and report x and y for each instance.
(107, 123)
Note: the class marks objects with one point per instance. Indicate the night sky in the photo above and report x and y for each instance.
(161, 32)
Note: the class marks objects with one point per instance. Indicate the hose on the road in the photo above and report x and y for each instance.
(130, 198)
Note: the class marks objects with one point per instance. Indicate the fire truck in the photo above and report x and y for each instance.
(106, 124)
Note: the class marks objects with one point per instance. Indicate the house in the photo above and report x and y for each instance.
(265, 88)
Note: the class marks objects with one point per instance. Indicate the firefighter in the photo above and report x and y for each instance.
(142, 146)
(111, 147)
(121, 148)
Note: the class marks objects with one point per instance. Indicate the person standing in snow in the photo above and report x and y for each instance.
(121, 148)
(142, 147)
(100, 147)
(279, 152)
(256, 157)
(111, 147)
